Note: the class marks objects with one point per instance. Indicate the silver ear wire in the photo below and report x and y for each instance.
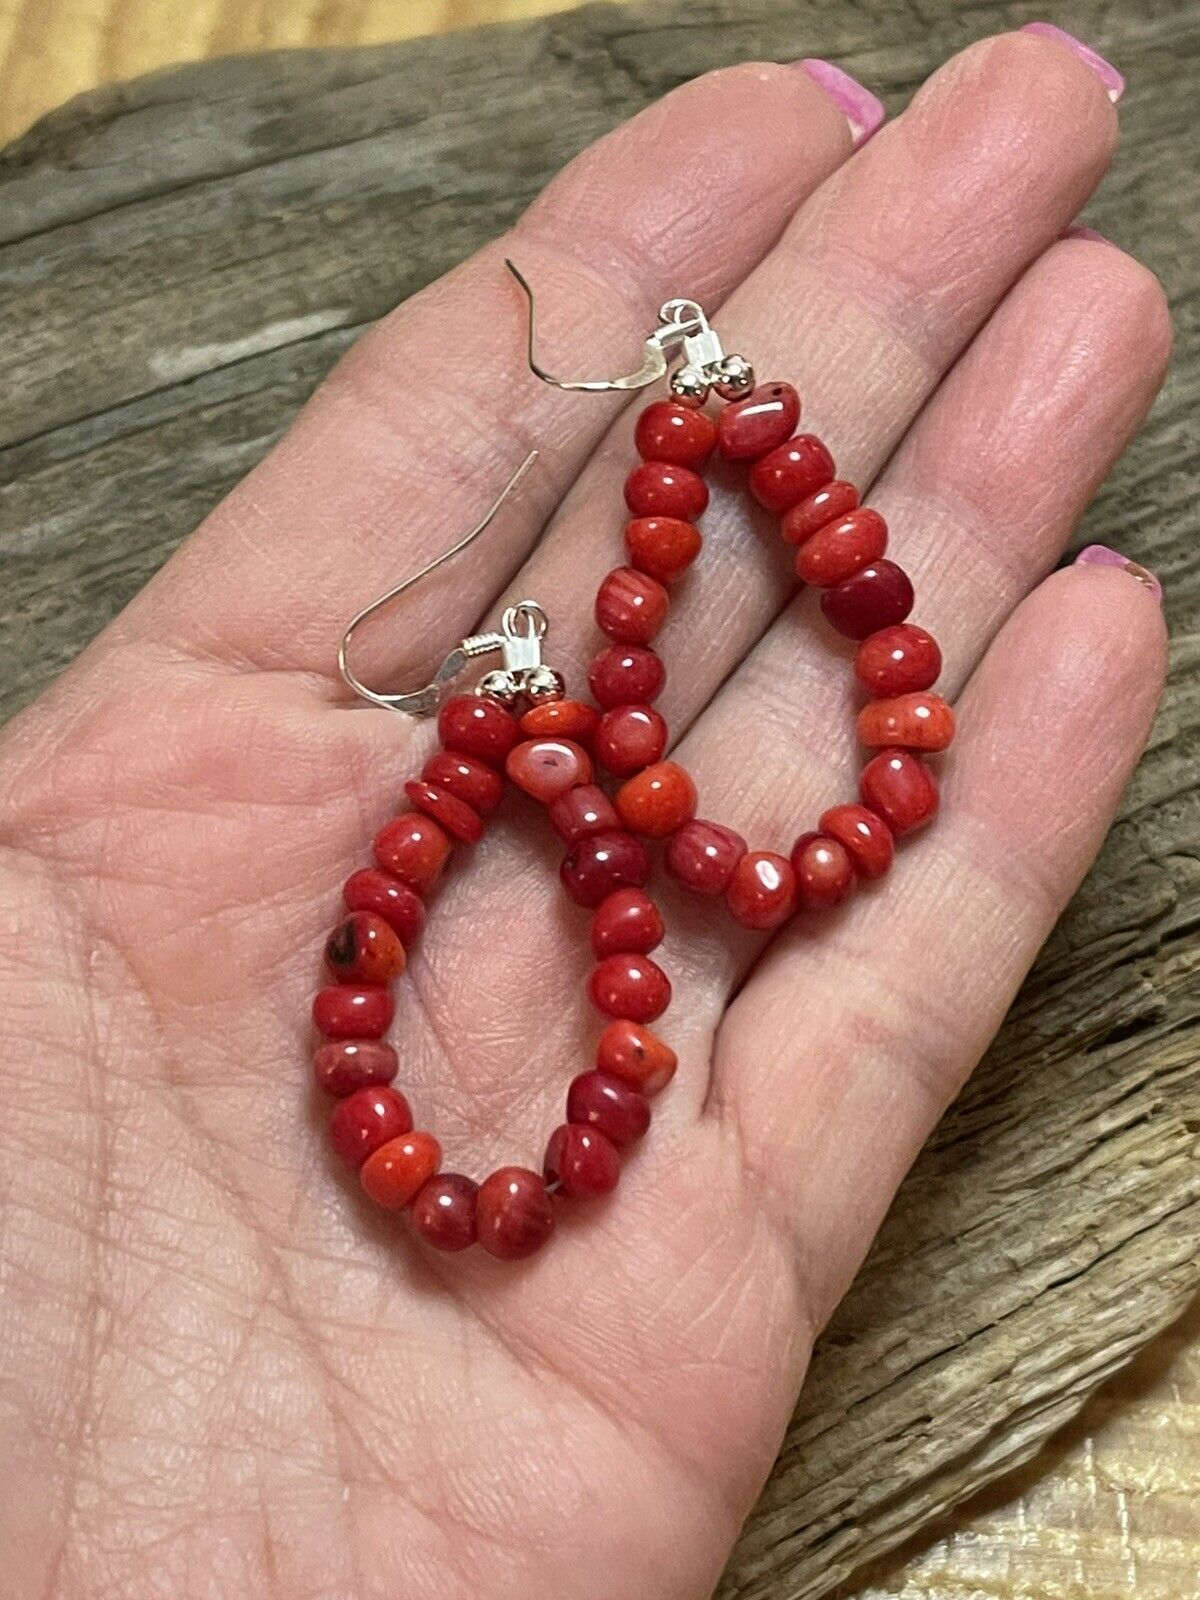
(524, 626)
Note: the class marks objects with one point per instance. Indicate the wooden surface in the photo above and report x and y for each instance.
(175, 282)
(53, 49)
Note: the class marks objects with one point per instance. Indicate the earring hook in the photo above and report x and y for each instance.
(424, 701)
(653, 367)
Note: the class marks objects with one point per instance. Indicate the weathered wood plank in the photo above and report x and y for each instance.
(180, 261)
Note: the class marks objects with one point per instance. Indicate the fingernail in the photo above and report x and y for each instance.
(1099, 555)
(861, 109)
(1078, 231)
(1104, 70)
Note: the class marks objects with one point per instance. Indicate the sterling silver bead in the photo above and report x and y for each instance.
(734, 377)
(689, 387)
(501, 685)
(543, 683)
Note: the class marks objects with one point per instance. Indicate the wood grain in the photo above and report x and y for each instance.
(181, 260)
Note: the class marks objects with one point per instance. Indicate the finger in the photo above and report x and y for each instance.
(915, 982)
(416, 430)
(882, 279)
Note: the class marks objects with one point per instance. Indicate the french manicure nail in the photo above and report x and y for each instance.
(1099, 555)
(861, 109)
(1104, 70)
(1078, 231)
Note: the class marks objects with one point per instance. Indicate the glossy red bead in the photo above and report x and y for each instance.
(631, 606)
(513, 1214)
(600, 863)
(663, 547)
(452, 815)
(900, 660)
(341, 1066)
(363, 948)
(628, 920)
(913, 721)
(467, 778)
(581, 1163)
(561, 719)
(413, 848)
(877, 597)
(443, 1212)
(367, 1119)
(402, 908)
(548, 768)
(626, 675)
(657, 489)
(629, 738)
(702, 856)
(396, 1173)
(865, 836)
(790, 473)
(354, 1011)
(762, 890)
(628, 985)
(900, 787)
(477, 725)
(840, 549)
(599, 1100)
(835, 500)
(629, 1051)
(581, 811)
(657, 801)
(676, 434)
(760, 423)
(824, 871)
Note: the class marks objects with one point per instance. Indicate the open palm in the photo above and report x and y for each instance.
(221, 1371)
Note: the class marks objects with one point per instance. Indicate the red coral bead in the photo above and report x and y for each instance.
(658, 489)
(513, 1213)
(465, 777)
(341, 1066)
(657, 801)
(899, 660)
(477, 725)
(702, 856)
(877, 597)
(913, 721)
(762, 890)
(900, 787)
(443, 1213)
(625, 675)
(363, 948)
(581, 1163)
(598, 1100)
(629, 738)
(367, 1119)
(629, 1051)
(354, 1011)
(628, 920)
(835, 500)
(663, 547)
(631, 606)
(600, 863)
(548, 768)
(865, 836)
(396, 1173)
(760, 423)
(413, 848)
(402, 908)
(791, 472)
(840, 549)
(581, 811)
(450, 813)
(676, 434)
(632, 986)
(560, 719)
(824, 871)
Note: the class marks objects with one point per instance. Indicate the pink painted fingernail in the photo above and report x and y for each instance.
(1104, 70)
(1099, 555)
(861, 109)
(1078, 231)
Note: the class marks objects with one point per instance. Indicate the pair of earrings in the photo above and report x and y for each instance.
(520, 724)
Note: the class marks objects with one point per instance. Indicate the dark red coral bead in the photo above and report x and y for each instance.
(824, 871)
(413, 848)
(443, 1213)
(900, 787)
(900, 660)
(354, 1011)
(366, 1120)
(877, 597)
(762, 891)
(363, 948)
(760, 423)
(581, 1163)
(631, 606)
(450, 813)
(513, 1214)
(626, 674)
(628, 920)
(600, 1100)
(602, 862)
(582, 810)
(835, 500)
(629, 738)
(371, 889)
(676, 434)
(629, 985)
(840, 549)
(865, 836)
(702, 856)
(477, 725)
(341, 1066)
(790, 473)
(467, 778)
(658, 489)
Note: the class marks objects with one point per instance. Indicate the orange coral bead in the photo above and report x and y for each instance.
(395, 1173)
(629, 1051)
(560, 719)
(910, 721)
(657, 800)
